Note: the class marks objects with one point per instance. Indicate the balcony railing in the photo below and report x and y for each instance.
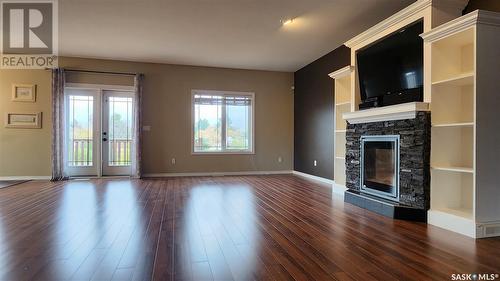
(80, 152)
(119, 152)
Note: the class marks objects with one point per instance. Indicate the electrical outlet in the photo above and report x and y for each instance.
(146, 128)
(173, 161)
(280, 159)
(315, 163)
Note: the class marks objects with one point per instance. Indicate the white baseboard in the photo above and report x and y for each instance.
(337, 188)
(216, 174)
(312, 177)
(25, 178)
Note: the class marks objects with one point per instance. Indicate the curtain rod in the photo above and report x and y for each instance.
(97, 72)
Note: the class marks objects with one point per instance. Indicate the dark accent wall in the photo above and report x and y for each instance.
(489, 5)
(313, 114)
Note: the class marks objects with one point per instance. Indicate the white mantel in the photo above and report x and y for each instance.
(387, 113)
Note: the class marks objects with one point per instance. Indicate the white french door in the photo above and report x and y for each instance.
(117, 132)
(99, 136)
(82, 127)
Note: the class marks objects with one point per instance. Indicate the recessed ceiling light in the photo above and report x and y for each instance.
(286, 21)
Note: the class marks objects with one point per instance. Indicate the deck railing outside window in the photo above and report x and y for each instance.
(80, 152)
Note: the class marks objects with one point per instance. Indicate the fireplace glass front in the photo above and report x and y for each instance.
(380, 166)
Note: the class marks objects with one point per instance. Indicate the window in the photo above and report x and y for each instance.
(222, 122)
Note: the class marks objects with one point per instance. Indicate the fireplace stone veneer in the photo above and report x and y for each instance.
(414, 168)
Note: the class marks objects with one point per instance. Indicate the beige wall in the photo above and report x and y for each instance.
(166, 107)
(25, 152)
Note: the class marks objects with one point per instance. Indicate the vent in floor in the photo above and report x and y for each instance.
(489, 230)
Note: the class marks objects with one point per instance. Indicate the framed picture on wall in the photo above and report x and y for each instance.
(24, 120)
(24, 92)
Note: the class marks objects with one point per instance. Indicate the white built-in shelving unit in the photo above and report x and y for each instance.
(465, 73)
(461, 88)
(342, 105)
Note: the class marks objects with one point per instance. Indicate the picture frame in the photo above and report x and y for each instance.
(23, 120)
(24, 93)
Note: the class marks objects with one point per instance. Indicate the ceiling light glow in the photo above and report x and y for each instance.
(286, 21)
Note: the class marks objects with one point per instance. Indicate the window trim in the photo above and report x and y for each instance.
(224, 93)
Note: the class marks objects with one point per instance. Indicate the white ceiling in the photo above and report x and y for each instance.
(223, 33)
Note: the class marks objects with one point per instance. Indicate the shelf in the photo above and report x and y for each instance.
(343, 89)
(340, 145)
(454, 169)
(452, 146)
(453, 59)
(463, 194)
(459, 212)
(444, 125)
(340, 123)
(342, 103)
(452, 106)
(452, 191)
(464, 79)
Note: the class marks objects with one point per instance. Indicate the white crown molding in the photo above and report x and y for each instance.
(459, 24)
(216, 174)
(387, 113)
(390, 21)
(344, 71)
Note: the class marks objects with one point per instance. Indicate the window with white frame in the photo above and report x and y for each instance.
(222, 121)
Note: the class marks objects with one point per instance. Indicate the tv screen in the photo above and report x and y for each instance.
(393, 66)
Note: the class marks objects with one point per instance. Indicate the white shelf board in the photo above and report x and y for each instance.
(454, 169)
(463, 79)
(464, 124)
(343, 103)
(340, 131)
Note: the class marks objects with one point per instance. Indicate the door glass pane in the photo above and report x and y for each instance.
(207, 127)
(237, 127)
(120, 130)
(80, 130)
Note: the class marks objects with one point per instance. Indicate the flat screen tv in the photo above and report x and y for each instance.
(391, 70)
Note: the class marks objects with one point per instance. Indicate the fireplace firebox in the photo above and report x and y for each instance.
(380, 166)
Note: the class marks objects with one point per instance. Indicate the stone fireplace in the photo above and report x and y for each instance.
(388, 166)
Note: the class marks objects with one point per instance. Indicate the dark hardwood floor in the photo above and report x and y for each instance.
(218, 228)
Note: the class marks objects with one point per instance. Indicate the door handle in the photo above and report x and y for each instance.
(104, 139)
